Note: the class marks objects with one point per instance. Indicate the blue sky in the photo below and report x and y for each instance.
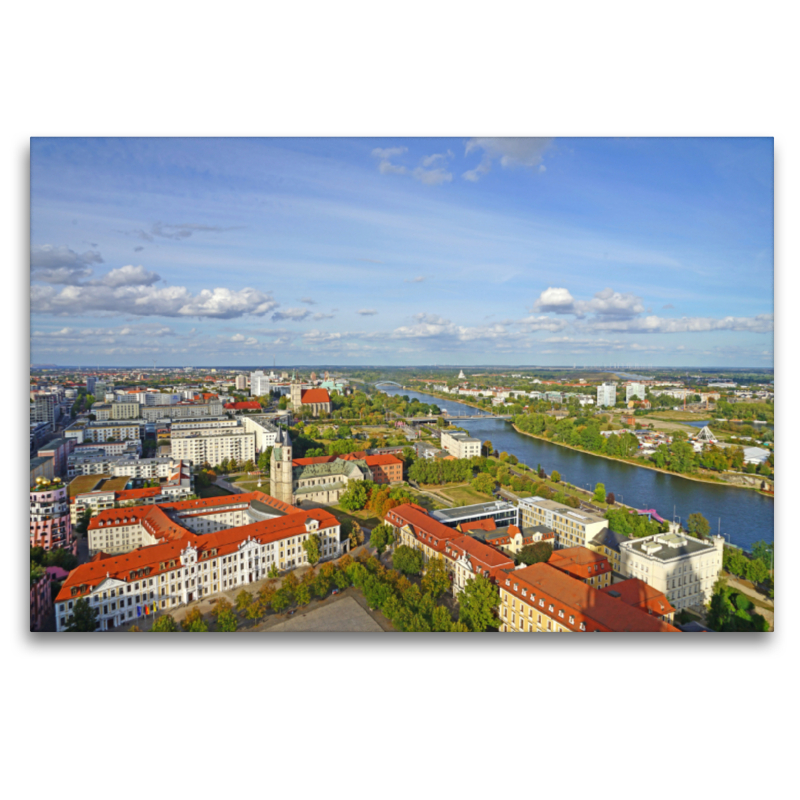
(402, 251)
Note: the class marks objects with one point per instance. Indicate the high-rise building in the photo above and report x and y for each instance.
(607, 394)
(636, 390)
(241, 382)
(259, 384)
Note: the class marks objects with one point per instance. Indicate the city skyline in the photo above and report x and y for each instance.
(356, 252)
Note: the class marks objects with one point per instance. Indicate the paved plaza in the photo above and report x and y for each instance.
(344, 615)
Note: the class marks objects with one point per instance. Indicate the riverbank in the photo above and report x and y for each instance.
(696, 478)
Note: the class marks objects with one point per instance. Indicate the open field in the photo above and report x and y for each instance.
(340, 616)
(465, 494)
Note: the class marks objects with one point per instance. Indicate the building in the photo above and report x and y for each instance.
(583, 564)
(241, 383)
(243, 405)
(607, 543)
(265, 433)
(637, 593)
(467, 557)
(501, 512)
(315, 401)
(184, 410)
(188, 567)
(460, 444)
(83, 431)
(606, 394)
(120, 530)
(41, 599)
(43, 408)
(51, 527)
(41, 467)
(415, 528)
(214, 446)
(386, 469)
(756, 455)
(125, 410)
(680, 566)
(91, 381)
(95, 462)
(635, 390)
(58, 450)
(509, 539)
(543, 599)
(259, 384)
(571, 527)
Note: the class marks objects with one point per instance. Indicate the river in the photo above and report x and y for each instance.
(743, 516)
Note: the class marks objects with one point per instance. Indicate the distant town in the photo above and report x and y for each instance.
(220, 499)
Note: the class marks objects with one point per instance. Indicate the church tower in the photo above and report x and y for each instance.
(295, 394)
(280, 469)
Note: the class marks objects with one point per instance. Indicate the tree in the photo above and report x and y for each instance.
(381, 537)
(312, 547)
(555, 476)
(483, 483)
(436, 580)
(487, 448)
(303, 594)
(407, 560)
(535, 553)
(272, 572)
(83, 617)
(698, 525)
(477, 603)
(281, 600)
(243, 600)
(193, 622)
(164, 624)
(611, 499)
(599, 493)
(355, 496)
(766, 552)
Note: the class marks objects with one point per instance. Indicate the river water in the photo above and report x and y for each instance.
(743, 516)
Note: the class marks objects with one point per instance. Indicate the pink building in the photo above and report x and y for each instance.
(51, 526)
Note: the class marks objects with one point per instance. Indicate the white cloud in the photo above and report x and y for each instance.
(611, 303)
(138, 300)
(320, 316)
(512, 152)
(429, 161)
(367, 312)
(292, 314)
(60, 265)
(555, 300)
(308, 300)
(532, 324)
(388, 152)
(432, 177)
(130, 276)
(386, 168)
(763, 323)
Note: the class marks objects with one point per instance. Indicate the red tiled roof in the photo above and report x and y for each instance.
(224, 542)
(580, 562)
(479, 525)
(315, 396)
(305, 462)
(586, 604)
(642, 595)
(481, 556)
(425, 528)
(245, 405)
(136, 494)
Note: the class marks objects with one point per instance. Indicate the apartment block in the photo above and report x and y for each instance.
(571, 527)
(606, 394)
(213, 446)
(460, 444)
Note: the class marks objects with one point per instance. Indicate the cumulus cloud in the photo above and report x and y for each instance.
(555, 300)
(292, 314)
(367, 312)
(130, 276)
(611, 303)
(532, 324)
(61, 265)
(320, 316)
(239, 338)
(143, 300)
(432, 177)
(387, 168)
(512, 152)
(429, 161)
(318, 337)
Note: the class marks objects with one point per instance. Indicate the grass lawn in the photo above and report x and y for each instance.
(363, 517)
(466, 495)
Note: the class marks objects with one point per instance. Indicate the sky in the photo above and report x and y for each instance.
(380, 251)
